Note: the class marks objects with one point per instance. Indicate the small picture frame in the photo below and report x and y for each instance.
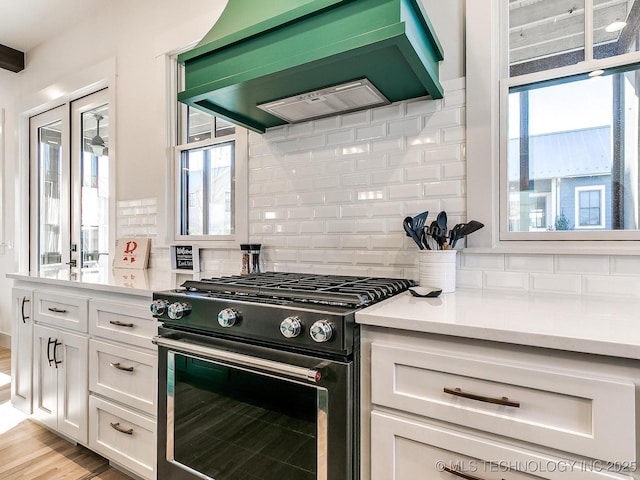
(185, 258)
(132, 253)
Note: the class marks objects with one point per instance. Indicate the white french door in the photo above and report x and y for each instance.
(69, 185)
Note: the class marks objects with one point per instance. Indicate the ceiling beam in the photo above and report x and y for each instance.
(11, 59)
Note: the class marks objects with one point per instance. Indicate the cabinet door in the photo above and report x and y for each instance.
(73, 385)
(21, 345)
(45, 376)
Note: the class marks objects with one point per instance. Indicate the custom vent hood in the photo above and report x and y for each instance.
(267, 63)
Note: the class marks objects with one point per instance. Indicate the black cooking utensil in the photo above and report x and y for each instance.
(417, 222)
(408, 228)
(469, 228)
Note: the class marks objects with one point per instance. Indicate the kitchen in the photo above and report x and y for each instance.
(379, 165)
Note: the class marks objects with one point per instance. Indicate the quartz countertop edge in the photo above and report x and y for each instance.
(595, 325)
(124, 281)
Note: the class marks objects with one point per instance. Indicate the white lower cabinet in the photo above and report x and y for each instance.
(406, 449)
(60, 381)
(123, 373)
(83, 364)
(440, 408)
(21, 349)
(122, 435)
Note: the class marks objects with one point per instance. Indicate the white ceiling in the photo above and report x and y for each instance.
(25, 24)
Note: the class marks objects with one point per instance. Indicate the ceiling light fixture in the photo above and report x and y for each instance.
(615, 26)
(97, 143)
(596, 73)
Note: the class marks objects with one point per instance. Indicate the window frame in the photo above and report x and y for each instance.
(178, 131)
(487, 89)
(603, 211)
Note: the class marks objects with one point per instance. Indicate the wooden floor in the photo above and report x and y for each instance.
(31, 452)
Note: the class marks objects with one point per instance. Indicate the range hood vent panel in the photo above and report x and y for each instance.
(305, 46)
(348, 97)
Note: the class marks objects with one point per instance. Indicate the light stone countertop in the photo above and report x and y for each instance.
(117, 280)
(598, 325)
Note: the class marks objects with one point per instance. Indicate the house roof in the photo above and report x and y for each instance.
(564, 154)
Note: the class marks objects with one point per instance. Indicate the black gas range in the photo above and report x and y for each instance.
(289, 310)
(258, 376)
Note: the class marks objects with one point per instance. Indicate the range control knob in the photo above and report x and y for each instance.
(290, 327)
(158, 307)
(321, 331)
(178, 310)
(228, 317)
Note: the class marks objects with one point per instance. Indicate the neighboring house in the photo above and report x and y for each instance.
(570, 181)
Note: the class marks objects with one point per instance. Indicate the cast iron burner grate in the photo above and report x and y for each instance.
(323, 289)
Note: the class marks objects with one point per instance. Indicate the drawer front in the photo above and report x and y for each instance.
(59, 310)
(570, 412)
(123, 374)
(123, 322)
(124, 437)
(404, 449)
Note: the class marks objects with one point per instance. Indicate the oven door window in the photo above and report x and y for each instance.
(226, 422)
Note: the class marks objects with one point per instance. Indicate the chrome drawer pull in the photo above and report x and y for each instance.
(116, 426)
(57, 310)
(498, 401)
(118, 323)
(120, 367)
(457, 473)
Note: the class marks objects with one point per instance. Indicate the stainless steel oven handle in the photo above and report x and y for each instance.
(302, 373)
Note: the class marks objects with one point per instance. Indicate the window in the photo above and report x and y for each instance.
(210, 178)
(590, 207)
(570, 155)
(70, 184)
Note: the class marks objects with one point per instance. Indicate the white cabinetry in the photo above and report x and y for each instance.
(123, 366)
(444, 408)
(21, 348)
(83, 364)
(60, 383)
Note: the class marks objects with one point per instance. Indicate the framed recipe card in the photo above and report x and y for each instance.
(132, 253)
(185, 257)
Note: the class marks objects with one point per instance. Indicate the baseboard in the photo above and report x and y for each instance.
(5, 340)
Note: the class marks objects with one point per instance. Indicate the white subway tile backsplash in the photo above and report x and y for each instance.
(482, 261)
(300, 129)
(371, 258)
(339, 196)
(454, 170)
(340, 137)
(357, 211)
(529, 263)
(582, 264)
(387, 145)
(625, 265)
(444, 118)
(325, 124)
(444, 188)
(315, 227)
(407, 191)
(357, 118)
(388, 209)
(469, 279)
(370, 132)
(445, 154)
(423, 172)
(550, 283)
(425, 139)
(606, 285)
(387, 176)
(516, 281)
(456, 98)
(356, 180)
(326, 211)
(390, 112)
(405, 158)
(422, 106)
(391, 241)
(355, 242)
(341, 226)
(409, 126)
(370, 225)
(454, 134)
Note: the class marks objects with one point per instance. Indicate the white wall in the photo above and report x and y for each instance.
(134, 36)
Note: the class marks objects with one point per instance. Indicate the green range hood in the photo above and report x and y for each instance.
(270, 62)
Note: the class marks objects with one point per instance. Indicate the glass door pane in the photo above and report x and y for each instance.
(50, 227)
(94, 174)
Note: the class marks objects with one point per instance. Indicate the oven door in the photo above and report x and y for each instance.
(230, 411)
